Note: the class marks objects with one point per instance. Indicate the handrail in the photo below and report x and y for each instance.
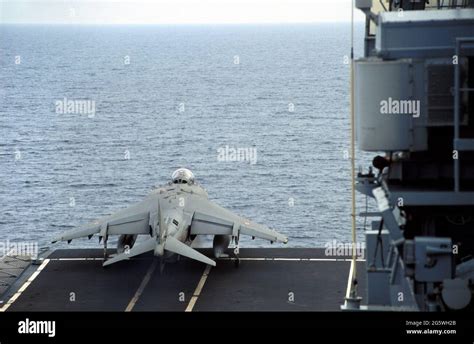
(457, 90)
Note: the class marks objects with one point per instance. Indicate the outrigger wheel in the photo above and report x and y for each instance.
(236, 254)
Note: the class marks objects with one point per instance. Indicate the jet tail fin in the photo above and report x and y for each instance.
(176, 246)
(136, 250)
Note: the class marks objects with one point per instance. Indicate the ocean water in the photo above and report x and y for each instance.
(172, 96)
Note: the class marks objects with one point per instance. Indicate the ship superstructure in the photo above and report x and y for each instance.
(413, 104)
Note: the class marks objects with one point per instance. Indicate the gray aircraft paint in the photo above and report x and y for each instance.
(172, 216)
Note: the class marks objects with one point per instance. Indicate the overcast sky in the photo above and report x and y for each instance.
(175, 11)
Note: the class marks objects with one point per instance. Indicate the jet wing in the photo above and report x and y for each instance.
(212, 219)
(133, 220)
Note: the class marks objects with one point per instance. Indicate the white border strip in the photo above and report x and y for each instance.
(24, 286)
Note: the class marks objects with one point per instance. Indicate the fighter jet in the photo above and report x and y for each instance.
(172, 216)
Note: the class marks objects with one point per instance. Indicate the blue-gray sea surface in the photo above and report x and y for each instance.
(171, 96)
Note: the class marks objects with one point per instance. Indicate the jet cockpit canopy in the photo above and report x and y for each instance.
(182, 176)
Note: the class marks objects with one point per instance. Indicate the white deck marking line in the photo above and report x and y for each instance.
(24, 286)
(244, 259)
(72, 259)
(297, 259)
(142, 286)
(198, 290)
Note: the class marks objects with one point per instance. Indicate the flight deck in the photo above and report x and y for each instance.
(267, 279)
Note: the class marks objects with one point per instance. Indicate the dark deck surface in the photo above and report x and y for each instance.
(265, 281)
